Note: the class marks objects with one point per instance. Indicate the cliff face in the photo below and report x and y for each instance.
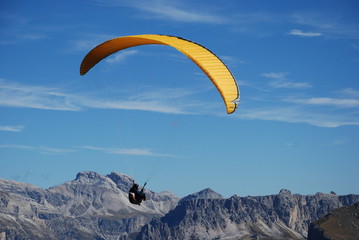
(90, 207)
(341, 223)
(93, 206)
(281, 216)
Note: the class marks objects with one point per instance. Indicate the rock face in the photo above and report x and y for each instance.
(281, 216)
(342, 223)
(204, 194)
(90, 207)
(93, 206)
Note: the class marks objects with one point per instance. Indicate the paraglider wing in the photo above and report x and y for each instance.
(210, 64)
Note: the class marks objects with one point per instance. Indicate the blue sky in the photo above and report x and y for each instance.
(149, 112)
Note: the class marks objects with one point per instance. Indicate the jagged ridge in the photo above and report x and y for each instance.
(93, 206)
(281, 216)
(90, 207)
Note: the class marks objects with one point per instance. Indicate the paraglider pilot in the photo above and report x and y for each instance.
(136, 196)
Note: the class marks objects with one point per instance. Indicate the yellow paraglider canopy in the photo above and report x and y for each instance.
(210, 64)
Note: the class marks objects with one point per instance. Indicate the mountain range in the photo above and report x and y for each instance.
(93, 206)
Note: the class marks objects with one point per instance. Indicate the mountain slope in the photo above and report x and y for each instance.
(204, 194)
(93, 206)
(281, 216)
(90, 207)
(341, 223)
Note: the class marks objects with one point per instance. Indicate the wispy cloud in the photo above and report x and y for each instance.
(300, 33)
(16, 146)
(297, 114)
(21, 38)
(18, 95)
(130, 151)
(18, 29)
(232, 61)
(145, 152)
(151, 106)
(121, 56)
(289, 107)
(349, 92)
(48, 98)
(54, 151)
(89, 41)
(164, 93)
(275, 75)
(18, 128)
(170, 10)
(40, 149)
(328, 24)
(326, 101)
(280, 80)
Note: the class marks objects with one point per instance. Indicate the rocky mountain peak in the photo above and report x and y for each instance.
(87, 175)
(285, 192)
(203, 194)
(280, 216)
(96, 207)
(122, 181)
(91, 206)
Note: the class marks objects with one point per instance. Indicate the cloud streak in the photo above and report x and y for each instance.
(300, 33)
(27, 96)
(170, 10)
(280, 80)
(296, 114)
(276, 105)
(120, 57)
(326, 101)
(46, 98)
(329, 25)
(163, 101)
(145, 152)
(18, 128)
(39, 149)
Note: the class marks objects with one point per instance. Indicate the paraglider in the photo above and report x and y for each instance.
(210, 64)
(206, 60)
(136, 196)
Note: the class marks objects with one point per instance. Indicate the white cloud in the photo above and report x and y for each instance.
(37, 97)
(325, 101)
(290, 84)
(40, 149)
(16, 146)
(17, 29)
(17, 128)
(54, 151)
(17, 95)
(229, 60)
(170, 10)
(300, 33)
(164, 93)
(295, 114)
(89, 41)
(130, 151)
(160, 100)
(275, 75)
(349, 92)
(121, 56)
(328, 24)
(280, 80)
